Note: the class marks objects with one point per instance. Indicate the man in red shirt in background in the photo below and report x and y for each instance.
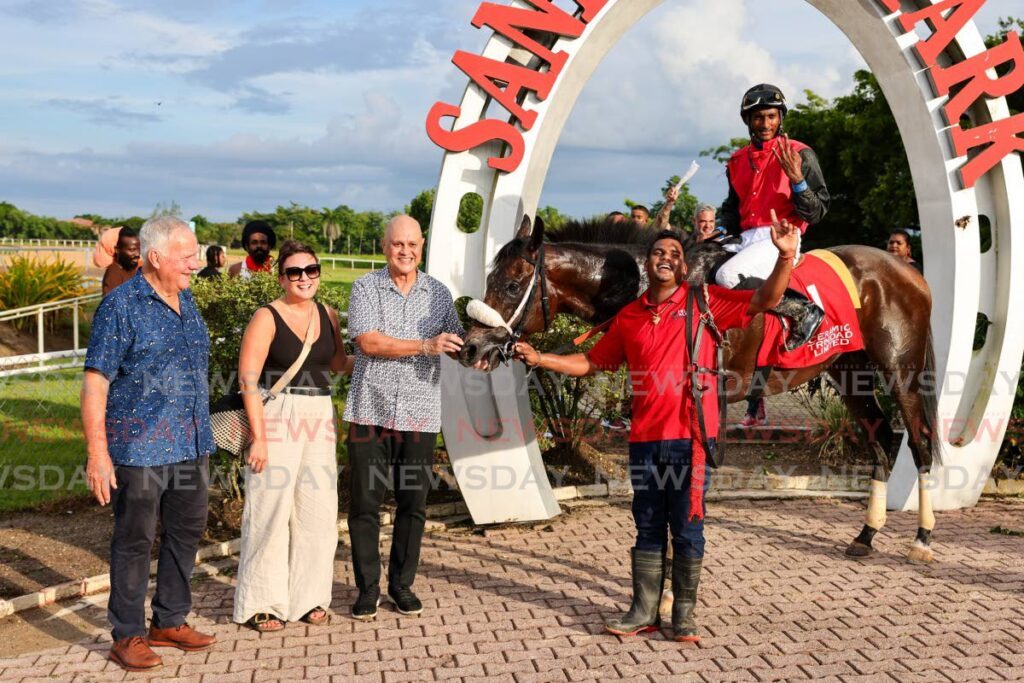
(666, 454)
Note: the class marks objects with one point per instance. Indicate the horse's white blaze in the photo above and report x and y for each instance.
(976, 393)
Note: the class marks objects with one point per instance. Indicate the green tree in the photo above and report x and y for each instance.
(226, 234)
(332, 227)
(422, 207)
(15, 222)
(471, 212)
(1007, 24)
(722, 153)
(552, 217)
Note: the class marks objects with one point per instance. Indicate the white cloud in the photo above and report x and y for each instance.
(350, 107)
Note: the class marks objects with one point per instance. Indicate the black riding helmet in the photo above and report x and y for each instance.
(762, 96)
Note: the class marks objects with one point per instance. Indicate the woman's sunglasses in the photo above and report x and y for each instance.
(294, 274)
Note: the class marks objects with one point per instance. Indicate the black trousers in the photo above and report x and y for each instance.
(381, 459)
(176, 496)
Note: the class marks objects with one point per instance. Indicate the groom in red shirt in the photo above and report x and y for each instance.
(667, 458)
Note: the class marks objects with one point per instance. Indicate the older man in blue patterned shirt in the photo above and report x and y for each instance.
(401, 321)
(145, 413)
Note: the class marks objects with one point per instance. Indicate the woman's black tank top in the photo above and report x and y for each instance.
(286, 347)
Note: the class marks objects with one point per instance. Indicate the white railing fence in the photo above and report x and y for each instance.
(33, 362)
(45, 361)
(48, 243)
(334, 262)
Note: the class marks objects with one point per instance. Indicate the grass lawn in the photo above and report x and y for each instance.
(41, 445)
(341, 276)
(42, 449)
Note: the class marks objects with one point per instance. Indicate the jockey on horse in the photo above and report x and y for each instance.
(771, 173)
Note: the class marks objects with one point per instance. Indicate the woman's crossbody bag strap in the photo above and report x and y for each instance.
(307, 344)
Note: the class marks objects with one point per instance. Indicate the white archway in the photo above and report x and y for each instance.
(488, 422)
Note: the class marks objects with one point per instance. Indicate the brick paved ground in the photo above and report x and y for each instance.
(778, 602)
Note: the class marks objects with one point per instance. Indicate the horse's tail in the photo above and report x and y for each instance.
(929, 391)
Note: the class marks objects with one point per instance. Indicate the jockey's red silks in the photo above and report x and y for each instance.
(761, 184)
(698, 464)
(256, 268)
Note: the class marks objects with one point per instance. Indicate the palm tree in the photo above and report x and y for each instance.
(331, 226)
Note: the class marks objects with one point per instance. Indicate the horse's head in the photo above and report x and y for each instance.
(513, 284)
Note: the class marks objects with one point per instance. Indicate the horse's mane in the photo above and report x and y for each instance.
(592, 231)
(599, 231)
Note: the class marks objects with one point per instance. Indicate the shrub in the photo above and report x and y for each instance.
(1011, 453)
(570, 408)
(28, 281)
(834, 429)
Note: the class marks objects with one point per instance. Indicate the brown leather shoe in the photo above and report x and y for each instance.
(183, 637)
(133, 654)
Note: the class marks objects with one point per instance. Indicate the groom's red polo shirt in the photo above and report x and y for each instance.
(659, 362)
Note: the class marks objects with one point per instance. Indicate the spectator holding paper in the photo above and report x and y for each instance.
(661, 221)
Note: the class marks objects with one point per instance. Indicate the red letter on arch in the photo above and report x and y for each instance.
(978, 83)
(590, 9)
(474, 135)
(510, 22)
(488, 73)
(945, 28)
(1002, 138)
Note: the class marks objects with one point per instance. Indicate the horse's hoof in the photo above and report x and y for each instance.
(858, 549)
(920, 554)
(665, 608)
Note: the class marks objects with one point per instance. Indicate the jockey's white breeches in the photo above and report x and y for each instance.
(755, 257)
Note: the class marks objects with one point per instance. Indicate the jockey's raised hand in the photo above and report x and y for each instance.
(785, 237)
(789, 160)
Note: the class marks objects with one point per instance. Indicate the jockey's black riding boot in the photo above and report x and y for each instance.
(685, 580)
(648, 569)
(805, 317)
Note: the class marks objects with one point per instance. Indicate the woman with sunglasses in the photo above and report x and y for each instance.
(290, 520)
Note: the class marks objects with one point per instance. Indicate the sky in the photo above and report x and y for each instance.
(228, 106)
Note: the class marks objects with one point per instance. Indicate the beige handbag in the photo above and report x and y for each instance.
(231, 431)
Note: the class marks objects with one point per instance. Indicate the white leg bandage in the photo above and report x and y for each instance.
(876, 505)
(925, 515)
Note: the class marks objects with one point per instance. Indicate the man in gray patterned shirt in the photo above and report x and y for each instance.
(401, 320)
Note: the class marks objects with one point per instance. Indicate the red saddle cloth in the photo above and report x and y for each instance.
(840, 331)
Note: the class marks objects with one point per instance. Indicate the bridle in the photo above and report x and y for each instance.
(517, 323)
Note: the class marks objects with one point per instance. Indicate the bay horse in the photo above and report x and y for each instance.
(591, 269)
